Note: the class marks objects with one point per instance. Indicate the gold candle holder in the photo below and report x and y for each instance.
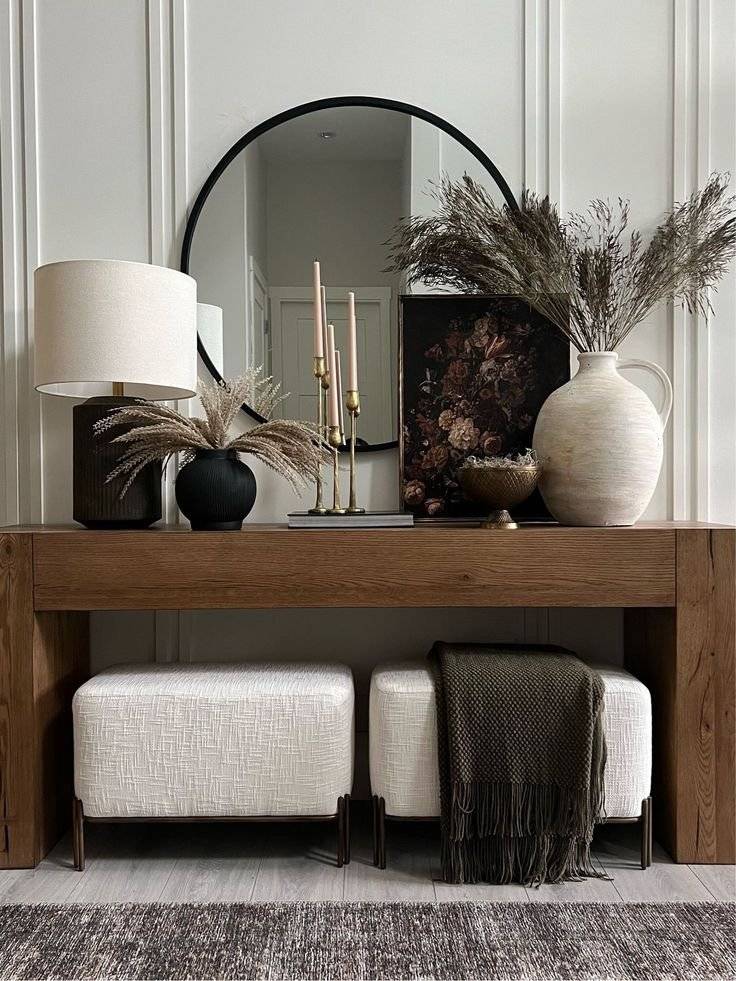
(352, 404)
(320, 373)
(335, 440)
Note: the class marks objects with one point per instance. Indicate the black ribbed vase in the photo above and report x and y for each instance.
(216, 490)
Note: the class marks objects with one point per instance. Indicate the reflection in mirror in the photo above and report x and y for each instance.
(331, 184)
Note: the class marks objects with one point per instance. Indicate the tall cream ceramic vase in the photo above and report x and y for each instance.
(599, 442)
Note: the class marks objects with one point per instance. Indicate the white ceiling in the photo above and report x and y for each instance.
(362, 133)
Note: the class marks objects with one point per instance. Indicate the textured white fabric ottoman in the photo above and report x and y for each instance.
(403, 745)
(214, 741)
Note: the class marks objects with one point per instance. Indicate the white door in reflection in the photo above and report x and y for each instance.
(292, 334)
(259, 327)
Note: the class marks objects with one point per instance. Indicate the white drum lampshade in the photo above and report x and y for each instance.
(102, 321)
(111, 332)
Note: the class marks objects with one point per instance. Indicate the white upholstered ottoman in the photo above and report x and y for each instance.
(403, 749)
(214, 742)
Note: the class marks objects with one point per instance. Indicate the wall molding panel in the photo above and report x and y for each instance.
(160, 164)
(180, 102)
(161, 205)
(542, 97)
(167, 126)
(536, 625)
(167, 138)
(700, 434)
(181, 204)
(691, 164)
(554, 100)
(534, 85)
(31, 427)
(13, 238)
(21, 424)
(541, 82)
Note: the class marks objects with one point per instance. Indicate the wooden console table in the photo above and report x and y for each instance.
(676, 582)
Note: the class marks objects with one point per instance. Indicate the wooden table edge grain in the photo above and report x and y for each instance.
(271, 567)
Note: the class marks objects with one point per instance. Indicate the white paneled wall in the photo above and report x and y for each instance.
(112, 114)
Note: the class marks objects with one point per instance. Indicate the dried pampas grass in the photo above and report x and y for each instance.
(585, 273)
(294, 450)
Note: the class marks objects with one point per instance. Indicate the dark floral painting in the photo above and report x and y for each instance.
(475, 372)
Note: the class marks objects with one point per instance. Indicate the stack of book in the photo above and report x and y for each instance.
(369, 519)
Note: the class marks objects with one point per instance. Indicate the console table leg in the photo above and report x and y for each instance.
(17, 774)
(60, 666)
(686, 656)
(44, 657)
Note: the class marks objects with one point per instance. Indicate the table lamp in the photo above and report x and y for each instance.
(113, 332)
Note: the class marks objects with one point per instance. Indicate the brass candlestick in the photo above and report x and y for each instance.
(352, 403)
(320, 373)
(335, 440)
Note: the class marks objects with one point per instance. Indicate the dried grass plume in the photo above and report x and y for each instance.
(291, 449)
(587, 274)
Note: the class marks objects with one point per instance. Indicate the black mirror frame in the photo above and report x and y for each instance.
(302, 110)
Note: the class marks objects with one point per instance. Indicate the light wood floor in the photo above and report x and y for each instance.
(251, 862)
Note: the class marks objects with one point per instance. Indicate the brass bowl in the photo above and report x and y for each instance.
(499, 488)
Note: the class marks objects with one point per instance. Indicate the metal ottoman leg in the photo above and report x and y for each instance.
(379, 832)
(78, 834)
(646, 832)
(343, 830)
(346, 839)
(374, 802)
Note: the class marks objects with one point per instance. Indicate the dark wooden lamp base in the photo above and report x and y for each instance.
(97, 504)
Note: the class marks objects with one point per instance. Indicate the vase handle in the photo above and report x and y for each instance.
(664, 380)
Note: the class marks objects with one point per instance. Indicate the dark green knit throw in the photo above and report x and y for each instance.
(521, 759)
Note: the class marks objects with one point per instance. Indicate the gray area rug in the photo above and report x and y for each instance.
(369, 940)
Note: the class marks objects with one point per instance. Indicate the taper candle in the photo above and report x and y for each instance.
(333, 403)
(352, 345)
(338, 370)
(323, 293)
(319, 349)
(324, 321)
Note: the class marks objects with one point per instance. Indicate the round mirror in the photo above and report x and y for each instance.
(328, 180)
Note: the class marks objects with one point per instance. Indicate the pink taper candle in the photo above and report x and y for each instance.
(352, 346)
(338, 370)
(333, 403)
(324, 320)
(319, 350)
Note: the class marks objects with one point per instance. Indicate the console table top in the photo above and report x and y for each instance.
(252, 527)
(271, 566)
